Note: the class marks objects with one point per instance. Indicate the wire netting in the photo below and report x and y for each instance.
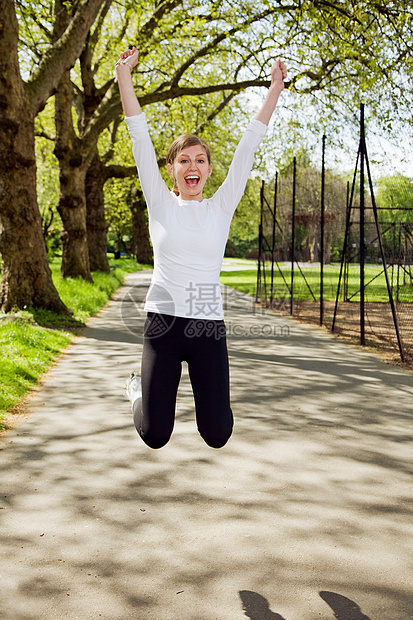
(305, 210)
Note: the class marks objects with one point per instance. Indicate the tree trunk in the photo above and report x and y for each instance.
(72, 173)
(327, 253)
(26, 277)
(315, 250)
(142, 244)
(97, 227)
(72, 210)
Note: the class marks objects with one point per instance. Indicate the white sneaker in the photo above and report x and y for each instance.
(133, 387)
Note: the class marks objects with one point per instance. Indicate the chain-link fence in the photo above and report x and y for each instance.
(330, 254)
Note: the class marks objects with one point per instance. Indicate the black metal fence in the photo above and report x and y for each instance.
(327, 254)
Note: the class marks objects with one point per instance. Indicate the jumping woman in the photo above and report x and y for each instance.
(184, 305)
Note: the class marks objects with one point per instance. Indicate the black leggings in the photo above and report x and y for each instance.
(168, 341)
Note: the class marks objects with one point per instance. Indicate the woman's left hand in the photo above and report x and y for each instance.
(278, 74)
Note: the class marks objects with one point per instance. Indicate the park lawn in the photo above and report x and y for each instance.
(307, 282)
(31, 340)
(244, 280)
(84, 298)
(26, 352)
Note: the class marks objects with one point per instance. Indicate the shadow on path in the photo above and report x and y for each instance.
(312, 491)
(343, 607)
(256, 606)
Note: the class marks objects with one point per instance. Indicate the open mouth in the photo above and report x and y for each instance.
(192, 180)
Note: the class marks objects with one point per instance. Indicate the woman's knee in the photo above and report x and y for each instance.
(216, 441)
(217, 437)
(155, 436)
(155, 440)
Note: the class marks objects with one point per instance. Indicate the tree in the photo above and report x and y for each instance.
(307, 214)
(220, 49)
(329, 49)
(71, 207)
(118, 198)
(362, 52)
(395, 198)
(98, 104)
(142, 245)
(26, 276)
(47, 176)
(96, 225)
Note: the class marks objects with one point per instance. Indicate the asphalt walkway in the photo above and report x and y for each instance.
(306, 514)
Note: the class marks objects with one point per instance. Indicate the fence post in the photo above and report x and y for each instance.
(362, 255)
(386, 275)
(322, 231)
(293, 236)
(260, 244)
(273, 238)
(346, 238)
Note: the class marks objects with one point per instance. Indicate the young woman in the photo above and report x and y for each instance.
(184, 305)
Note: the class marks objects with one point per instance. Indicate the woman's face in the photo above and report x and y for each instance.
(190, 171)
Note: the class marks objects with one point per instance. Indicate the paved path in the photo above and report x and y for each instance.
(306, 514)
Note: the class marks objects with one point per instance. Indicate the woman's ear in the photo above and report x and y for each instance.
(170, 169)
(210, 170)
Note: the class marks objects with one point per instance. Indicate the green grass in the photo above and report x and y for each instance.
(26, 353)
(244, 280)
(84, 298)
(375, 291)
(31, 340)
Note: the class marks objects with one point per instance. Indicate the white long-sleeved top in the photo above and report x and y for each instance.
(188, 236)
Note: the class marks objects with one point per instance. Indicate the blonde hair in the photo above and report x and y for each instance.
(182, 142)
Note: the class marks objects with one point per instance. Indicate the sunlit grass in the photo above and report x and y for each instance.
(307, 283)
(26, 353)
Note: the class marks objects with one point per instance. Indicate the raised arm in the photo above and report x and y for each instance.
(123, 70)
(278, 75)
(153, 186)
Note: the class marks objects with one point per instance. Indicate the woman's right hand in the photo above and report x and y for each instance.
(278, 74)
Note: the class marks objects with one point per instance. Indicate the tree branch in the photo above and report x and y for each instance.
(115, 171)
(43, 134)
(163, 8)
(334, 7)
(215, 112)
(110, 109)
(187, 91)
(204, 51)
(88, 50)
(61, 56)
(94, 36)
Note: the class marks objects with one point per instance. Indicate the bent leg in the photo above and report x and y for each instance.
(209, 373)
(154, 414)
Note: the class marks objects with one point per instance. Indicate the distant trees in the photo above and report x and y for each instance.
(394, 196)
(307, 211)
